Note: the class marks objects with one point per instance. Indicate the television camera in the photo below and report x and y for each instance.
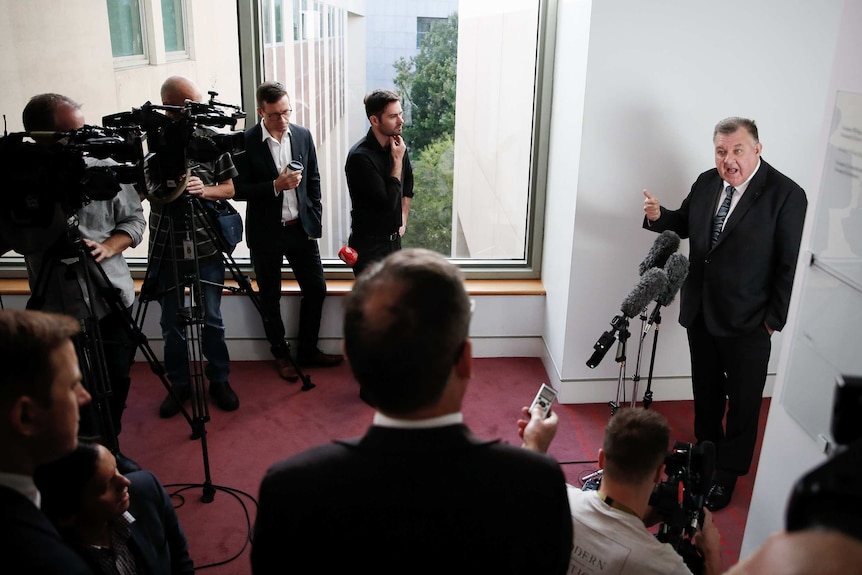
(679, 500)
(830, 495)
(177, 138)
(48, 176)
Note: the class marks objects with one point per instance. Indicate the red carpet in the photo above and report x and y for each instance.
(276, 419)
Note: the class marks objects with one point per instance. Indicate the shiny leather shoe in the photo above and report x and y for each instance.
(718, 497)
(286, 370)
(319, 359)
(170, 407)
(223, 395)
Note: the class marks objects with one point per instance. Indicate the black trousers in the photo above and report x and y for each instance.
(303, 255)
(728, 375)
(119, 351)
(370, 249)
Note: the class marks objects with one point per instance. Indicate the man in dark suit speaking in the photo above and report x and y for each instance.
(418, 493)
(283, 220)
(744, 222)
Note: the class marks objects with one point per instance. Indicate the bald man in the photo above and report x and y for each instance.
(207, 181)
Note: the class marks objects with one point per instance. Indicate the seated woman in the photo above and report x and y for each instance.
(119, 524)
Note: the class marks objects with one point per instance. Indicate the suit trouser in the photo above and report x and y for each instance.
(371, 249)
(303, 255)
(728, 373)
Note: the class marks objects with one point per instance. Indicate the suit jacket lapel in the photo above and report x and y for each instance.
(751, 195)
(260, 150)
(144, 548)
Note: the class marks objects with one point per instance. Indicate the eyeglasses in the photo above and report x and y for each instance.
(276, 115)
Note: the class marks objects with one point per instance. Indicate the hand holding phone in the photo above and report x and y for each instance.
(544, 398)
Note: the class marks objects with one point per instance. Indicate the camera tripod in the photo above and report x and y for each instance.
(97, 294)
(170, 275)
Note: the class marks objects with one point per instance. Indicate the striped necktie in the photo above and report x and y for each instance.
(718, 221)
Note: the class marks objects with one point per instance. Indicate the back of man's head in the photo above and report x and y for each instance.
(405, 326)
(27, 341)
(41, 112)
(635, 445)
(177, 89)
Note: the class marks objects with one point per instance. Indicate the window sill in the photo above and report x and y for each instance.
(20, 286)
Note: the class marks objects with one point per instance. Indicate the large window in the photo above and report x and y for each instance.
(468, 73)
(471, 73)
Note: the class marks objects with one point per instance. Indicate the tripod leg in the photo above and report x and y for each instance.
(648, 392)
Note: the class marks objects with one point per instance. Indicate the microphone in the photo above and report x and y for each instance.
(652, 282)
(677, 270)
(664, 245)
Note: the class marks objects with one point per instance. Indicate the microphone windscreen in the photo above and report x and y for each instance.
(647, 289)
(677, 270)
(664, 245)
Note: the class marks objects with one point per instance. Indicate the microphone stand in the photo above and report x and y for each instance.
(656, 317)
(637, 377)
(623, 328)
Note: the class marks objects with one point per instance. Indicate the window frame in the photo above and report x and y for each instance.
(251, 64)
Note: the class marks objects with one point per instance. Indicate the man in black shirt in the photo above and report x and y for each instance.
(380, 180)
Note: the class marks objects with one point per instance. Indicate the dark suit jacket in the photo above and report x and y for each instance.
(254, 185)
(747, 277)
(29, 543)
(413, 501)
(157, 535)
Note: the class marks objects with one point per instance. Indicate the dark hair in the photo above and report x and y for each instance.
(270, 93)
(405, 324)
(731, 125)
(376, 102)
(635, 444)
(62, 481)
(38, 115)
(27, 340)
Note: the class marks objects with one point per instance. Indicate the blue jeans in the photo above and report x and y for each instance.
(212, 341)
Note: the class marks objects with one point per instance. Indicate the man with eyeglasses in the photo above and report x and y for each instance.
(279, 179)
(380, 180)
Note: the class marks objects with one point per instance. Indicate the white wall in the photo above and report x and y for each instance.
(637, 92)
(788, 451)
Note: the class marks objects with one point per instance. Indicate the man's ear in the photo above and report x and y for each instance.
(601, 458)
(21, 415)
(375, 121)
(659, 474)
(464, 365)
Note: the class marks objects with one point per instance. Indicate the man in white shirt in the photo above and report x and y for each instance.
(610, 535)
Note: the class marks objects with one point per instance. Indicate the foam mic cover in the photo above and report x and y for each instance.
(676, 269)
(651, 284)
(664, 245)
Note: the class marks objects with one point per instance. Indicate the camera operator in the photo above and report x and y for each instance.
(208, 181)
(107, 228)
(609, 524)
